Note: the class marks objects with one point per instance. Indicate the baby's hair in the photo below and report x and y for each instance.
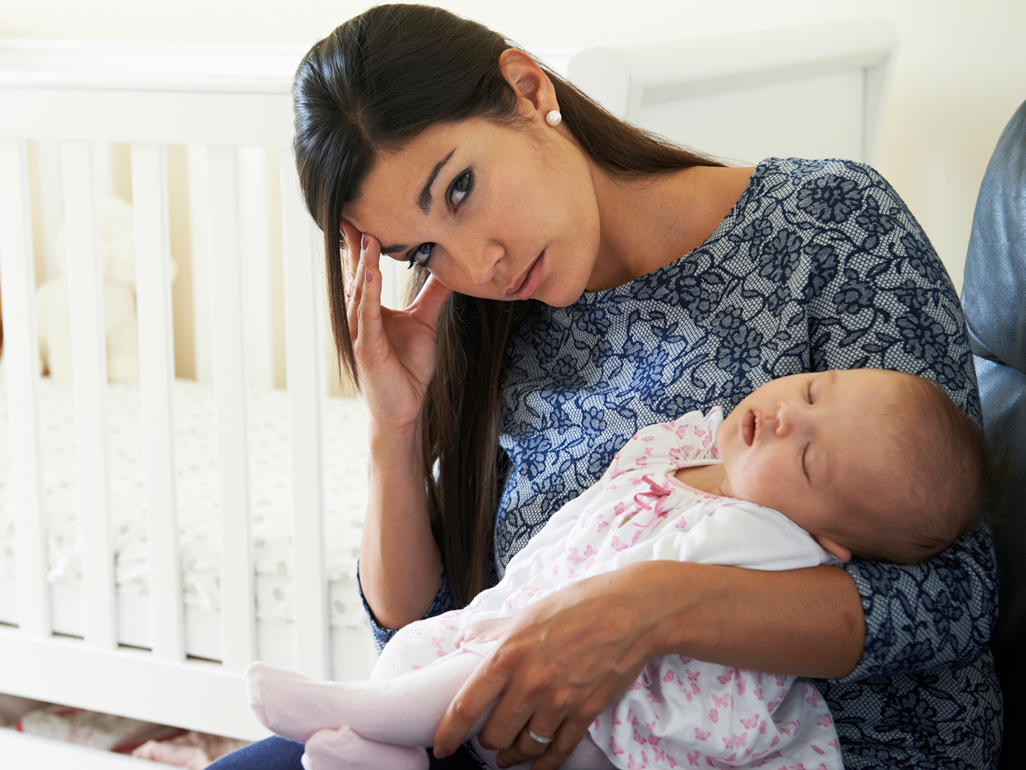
(950, 476)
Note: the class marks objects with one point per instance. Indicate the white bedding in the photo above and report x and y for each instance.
(197, 499)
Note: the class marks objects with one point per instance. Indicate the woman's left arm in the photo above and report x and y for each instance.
(565, 658)
(879, 296)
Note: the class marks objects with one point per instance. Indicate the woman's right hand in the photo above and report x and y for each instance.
(394, 349)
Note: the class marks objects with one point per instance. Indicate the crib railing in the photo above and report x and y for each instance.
(226, 112)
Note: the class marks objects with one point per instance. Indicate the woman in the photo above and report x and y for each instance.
(577, 280)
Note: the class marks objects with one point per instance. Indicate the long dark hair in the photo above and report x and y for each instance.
(375, 83)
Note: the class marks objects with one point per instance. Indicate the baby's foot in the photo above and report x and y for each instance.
(344, 749)
(290, 704)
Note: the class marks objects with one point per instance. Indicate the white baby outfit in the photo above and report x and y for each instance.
(680, 712)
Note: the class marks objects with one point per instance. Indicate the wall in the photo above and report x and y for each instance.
(957, 77)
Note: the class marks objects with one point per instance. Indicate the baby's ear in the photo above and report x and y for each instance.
(838, 550)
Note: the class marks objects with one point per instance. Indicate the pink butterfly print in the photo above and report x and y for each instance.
(693, 758)
(618, 544)
(702, 735)
(724, 678)
(825, 721)
(714, 716)
(615, 747)
(737, 741)
(721, 700)
(751, 721)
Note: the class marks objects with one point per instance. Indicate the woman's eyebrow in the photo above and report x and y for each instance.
(424, 201)
(425, 194)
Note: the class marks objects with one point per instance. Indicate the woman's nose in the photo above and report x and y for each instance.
(481, 266)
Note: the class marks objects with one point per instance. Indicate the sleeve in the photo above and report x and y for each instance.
(443, 602)
(880, 297)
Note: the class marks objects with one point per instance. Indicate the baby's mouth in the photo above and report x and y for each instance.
(749, 427)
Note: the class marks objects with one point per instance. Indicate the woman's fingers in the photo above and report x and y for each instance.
(365, 317)
(547, 756)
(477, 693)
(351, 239)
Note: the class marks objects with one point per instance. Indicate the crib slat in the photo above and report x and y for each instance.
(22, 364)
(89, 365)
(156, 375)
(254, 208)
(305, 378)
(228, 347)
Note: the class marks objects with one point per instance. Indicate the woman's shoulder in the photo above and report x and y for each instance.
(806, 178)
(813, 168)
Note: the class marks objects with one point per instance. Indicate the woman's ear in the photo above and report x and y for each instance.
(527, 79)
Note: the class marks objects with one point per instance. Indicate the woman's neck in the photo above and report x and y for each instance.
(650, 221)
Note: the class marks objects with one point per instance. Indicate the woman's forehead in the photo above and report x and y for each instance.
(403, 182)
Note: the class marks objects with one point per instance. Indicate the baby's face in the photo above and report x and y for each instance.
(810, 444)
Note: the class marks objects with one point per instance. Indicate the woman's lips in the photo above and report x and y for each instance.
(528, 284)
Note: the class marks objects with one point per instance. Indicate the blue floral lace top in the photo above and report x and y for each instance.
(819, 265)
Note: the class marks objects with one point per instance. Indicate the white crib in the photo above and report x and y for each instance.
(220, 118)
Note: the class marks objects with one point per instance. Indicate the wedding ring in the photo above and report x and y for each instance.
(539, 738)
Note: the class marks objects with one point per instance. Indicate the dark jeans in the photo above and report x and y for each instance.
(276, 753)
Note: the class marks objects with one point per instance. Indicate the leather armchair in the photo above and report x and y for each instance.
(994, 298)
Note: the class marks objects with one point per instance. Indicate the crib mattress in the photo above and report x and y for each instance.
(198, 514)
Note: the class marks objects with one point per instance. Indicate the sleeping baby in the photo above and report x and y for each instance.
(809, 469)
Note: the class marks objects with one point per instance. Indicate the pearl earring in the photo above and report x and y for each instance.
(553, 117)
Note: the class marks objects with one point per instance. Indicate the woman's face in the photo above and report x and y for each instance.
(494, 211)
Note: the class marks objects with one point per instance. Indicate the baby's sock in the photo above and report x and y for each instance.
(404, 710)
(345, 750)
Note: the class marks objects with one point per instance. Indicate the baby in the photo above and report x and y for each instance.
(808, 469)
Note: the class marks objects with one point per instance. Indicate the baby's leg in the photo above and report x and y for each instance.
(404, 710)
(338, 749)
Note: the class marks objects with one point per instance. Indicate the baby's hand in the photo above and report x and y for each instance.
(483, 631)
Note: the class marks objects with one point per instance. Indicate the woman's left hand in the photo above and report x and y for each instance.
(559, 663)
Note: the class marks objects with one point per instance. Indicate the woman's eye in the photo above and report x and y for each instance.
(460, 188)
(805, 464)
(421, 255)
